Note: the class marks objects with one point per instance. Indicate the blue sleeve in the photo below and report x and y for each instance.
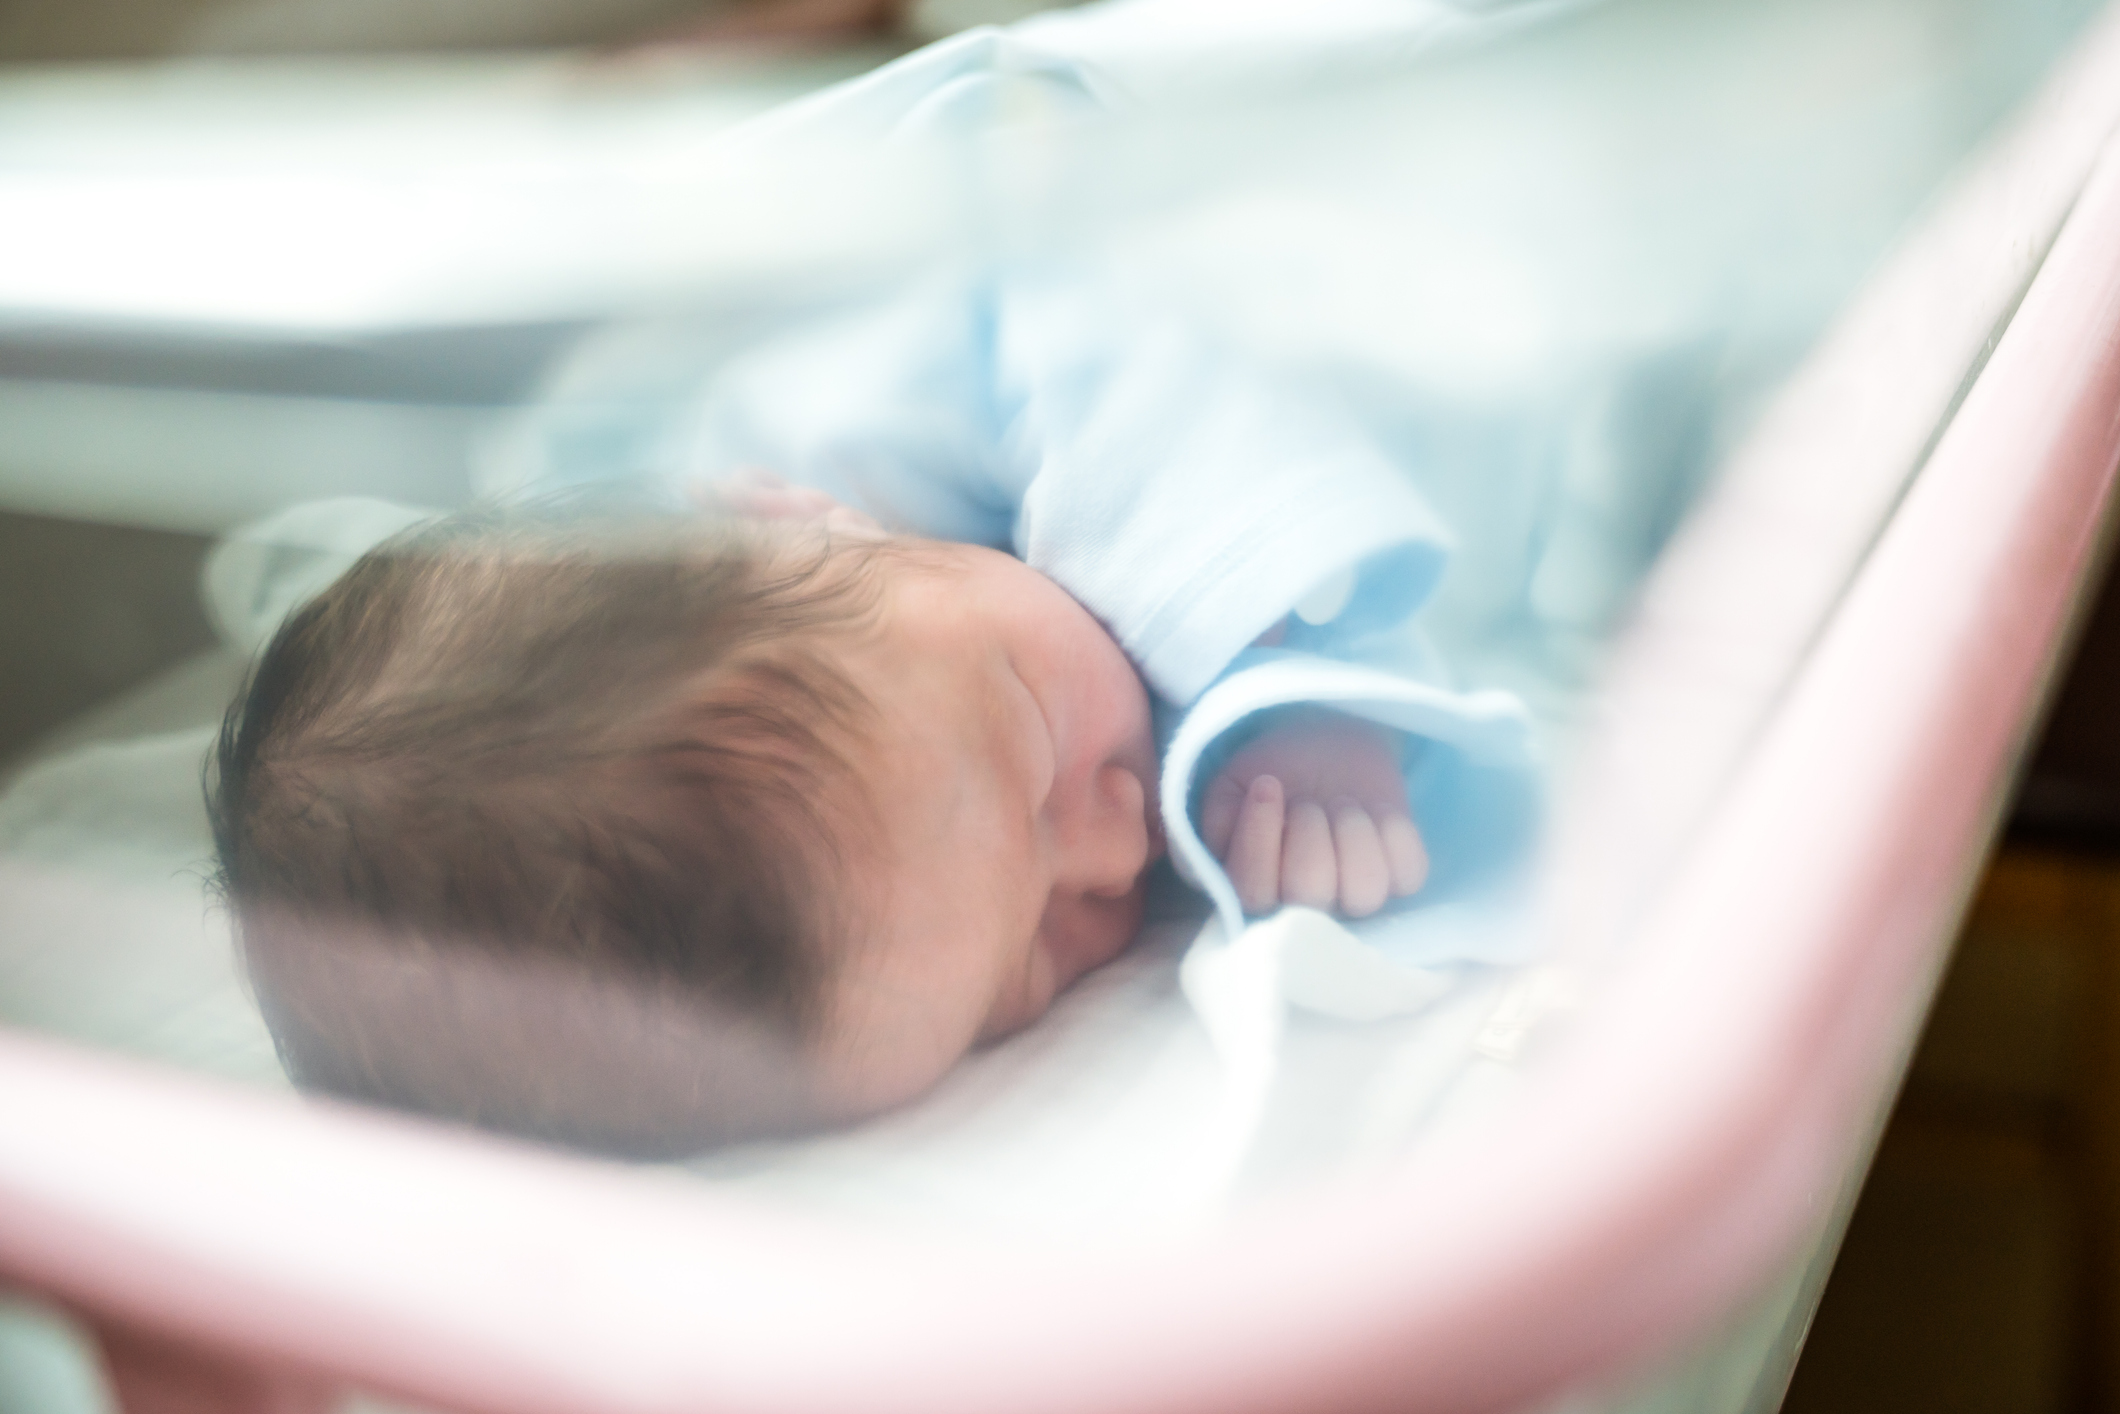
(889, 410)
(1186, 498)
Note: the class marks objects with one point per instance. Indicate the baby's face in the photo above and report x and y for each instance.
(1012, 773)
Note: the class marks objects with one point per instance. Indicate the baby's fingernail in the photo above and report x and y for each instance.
(1265, 788)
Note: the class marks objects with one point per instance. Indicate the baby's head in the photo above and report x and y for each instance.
(648, 832)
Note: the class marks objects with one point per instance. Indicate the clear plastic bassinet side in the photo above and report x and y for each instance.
(1582, 272)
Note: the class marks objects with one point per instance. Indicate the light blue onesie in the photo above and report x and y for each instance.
(1186, 501)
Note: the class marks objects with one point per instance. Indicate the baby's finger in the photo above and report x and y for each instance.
(1218, 814)
(1254, 862)
(1404, 852)
(1365, 874)
(1310, 875)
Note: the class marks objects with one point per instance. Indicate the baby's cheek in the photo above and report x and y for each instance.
(1018, 1006)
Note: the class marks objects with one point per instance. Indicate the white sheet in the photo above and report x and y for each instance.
(1112, 1121)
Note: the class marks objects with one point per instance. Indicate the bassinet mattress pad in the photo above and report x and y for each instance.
(1116, 1116)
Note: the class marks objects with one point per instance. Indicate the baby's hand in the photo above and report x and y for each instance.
(1314, 812)
(758, 494)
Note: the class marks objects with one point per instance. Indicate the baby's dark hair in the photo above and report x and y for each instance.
(527, 821)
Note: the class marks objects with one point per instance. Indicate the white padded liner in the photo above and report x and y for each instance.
(1104, 1120)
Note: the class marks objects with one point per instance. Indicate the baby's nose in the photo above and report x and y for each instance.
(1104, 837)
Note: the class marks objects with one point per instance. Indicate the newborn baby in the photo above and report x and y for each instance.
(1012, 776)
(816, 808)
(646, 829)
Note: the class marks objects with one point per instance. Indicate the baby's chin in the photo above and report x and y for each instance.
(1100, 932)
(1074, 939)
